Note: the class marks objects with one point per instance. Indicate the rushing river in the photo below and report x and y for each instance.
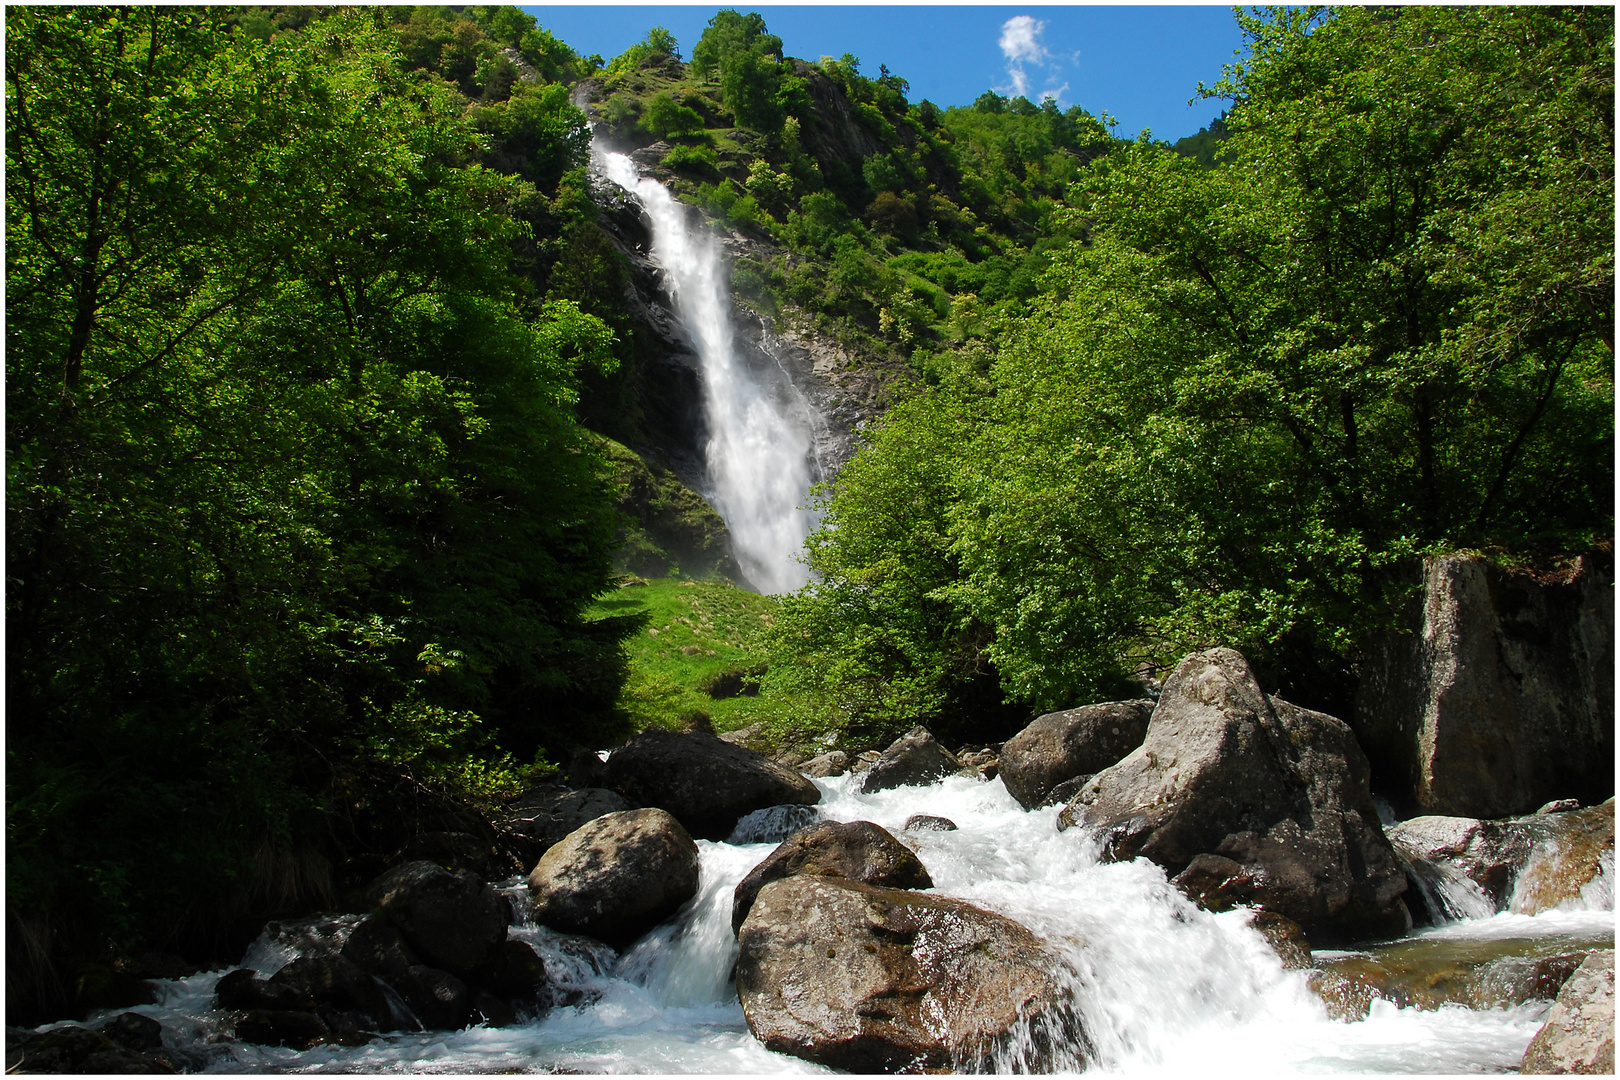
(1163, 987)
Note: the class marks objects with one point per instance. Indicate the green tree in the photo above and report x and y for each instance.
(1383, 327)
(747, 61)
(296, 502)
(665, 117)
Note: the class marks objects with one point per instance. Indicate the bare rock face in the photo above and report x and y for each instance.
(617, 877)
(1499, 695)
(914, 758)
(1578, 1036)
(1278, 793)
(855, 851)
(1063, 745)
(706, 784)
(876, 980)
(1526, 865)
(452, 920)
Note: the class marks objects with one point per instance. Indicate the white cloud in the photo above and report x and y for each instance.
(1021, 44)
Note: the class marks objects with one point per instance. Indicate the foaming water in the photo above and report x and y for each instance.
(760, 452)
(1153, 984)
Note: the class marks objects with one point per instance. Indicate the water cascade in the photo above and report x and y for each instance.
(760, 453)
(1157, 985)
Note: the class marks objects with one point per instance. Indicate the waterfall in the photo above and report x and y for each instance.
(760, 455)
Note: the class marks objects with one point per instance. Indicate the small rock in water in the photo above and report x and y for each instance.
(929, 823)
(773, 824)
(1285, 937)
(914, 758)
(832, 763)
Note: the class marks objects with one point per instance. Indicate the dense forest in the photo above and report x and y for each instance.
(321, 384)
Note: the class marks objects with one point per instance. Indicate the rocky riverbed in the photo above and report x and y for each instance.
(708, 910)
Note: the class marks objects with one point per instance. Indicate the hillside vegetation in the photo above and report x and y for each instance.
(328, 480)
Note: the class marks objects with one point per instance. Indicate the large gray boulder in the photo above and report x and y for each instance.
(1525, 865)
(1578, 1036)
(875, 980)
(914, 758)
(1060, 746)
(707, 784)
(856, 851)
(1274, 797)
(451, 920)
(1497, 694)
(617, 877)
(546, 813)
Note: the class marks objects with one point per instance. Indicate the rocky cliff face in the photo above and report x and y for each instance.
(1498, 694)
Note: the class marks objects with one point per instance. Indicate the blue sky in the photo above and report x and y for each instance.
(1140, 64)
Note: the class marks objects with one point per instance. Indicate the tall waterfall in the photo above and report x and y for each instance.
(760, 454)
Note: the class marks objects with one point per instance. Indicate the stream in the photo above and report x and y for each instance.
(1162, 987)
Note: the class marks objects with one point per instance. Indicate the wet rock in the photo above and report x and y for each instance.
(865, 760)
(78, 1050)
(617, 877)
(705, 783)
(1428, 972)
(1278, 790)
(1285, 937)
(914, 758)
(134, 1031)
(1527, 864)
(774, 824)
(985, 761)
(854, 851)
(514, 970)
(243, 989)
(832, 763)
(277, 1027)
(1578, 1036)
(460, 851)
(546, 813)
(1571, 861)
(439, 1000)
(878, 980)
(336, 983)
(929, 823)
(1558, 806)
(452, 920)
(1060, 746)
(1498, 694)
(492, 1011)
(377, 947)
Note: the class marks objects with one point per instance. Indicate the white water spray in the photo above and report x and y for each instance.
(759, 454)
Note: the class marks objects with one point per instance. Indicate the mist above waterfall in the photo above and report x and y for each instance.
(759, 456)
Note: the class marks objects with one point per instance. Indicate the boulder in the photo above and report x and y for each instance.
(1060, 746)
(337, 984)
(436, 998)
(546, 813)
(1429, 972)
(914, 758)
(274, 1027)
(1525, 865)
(617, 877)
(832, 763)
(1277, 791)
(929, 823)
(773, 824)
(1497, 693)
(875, 980)
(1285, 937)
(242, 989)
(75, 1049)
(1578, 1036)
(707, 784)
(452, 920)
(855, 851)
